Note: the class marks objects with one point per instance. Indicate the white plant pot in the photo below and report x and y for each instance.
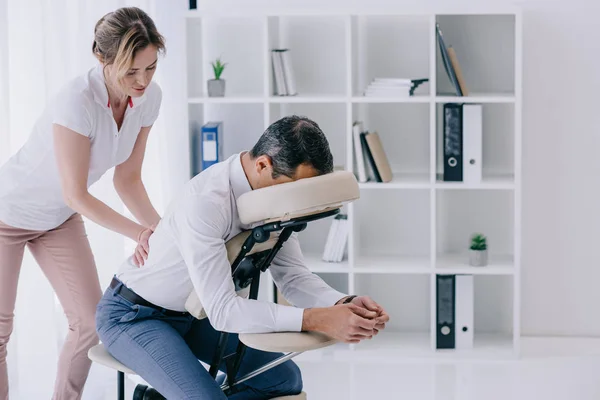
(216, 87)
(478, 258)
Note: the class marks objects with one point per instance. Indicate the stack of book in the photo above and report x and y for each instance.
(371, 161)
(392, 87)
(336, 239)
(284, 82)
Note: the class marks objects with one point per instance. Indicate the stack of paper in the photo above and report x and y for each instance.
(389, 87)
(336, 239)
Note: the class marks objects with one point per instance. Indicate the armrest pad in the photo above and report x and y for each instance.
(284, 342)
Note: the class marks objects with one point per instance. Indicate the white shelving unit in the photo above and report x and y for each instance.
(406, 231)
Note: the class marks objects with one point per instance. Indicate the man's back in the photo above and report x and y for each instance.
(164, 278)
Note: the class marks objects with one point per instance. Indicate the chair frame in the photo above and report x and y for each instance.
(246, 270)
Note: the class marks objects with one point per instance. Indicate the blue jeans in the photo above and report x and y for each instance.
(164, 351)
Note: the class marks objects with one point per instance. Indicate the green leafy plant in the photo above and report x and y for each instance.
(218, 67)
(478, 242)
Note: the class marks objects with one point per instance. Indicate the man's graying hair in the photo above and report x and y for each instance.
(293, 141)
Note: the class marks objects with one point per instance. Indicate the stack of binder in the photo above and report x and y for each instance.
(284, 81)
(454, 311)
(337, 238)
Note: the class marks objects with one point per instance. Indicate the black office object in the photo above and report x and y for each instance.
(445, 312)
(453, 142)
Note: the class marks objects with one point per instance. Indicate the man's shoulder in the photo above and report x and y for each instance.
(205, 194)
(212, 183)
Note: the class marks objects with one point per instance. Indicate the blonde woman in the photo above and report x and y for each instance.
(98, 121)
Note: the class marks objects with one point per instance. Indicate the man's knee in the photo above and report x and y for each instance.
(292, 377)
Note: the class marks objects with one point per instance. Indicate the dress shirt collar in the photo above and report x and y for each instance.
(237, 179)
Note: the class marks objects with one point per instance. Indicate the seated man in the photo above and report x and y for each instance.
(159, 340)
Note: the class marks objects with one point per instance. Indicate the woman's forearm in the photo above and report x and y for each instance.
(136, 199)
(95, 210)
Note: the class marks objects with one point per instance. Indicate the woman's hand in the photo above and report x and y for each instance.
(143, 248)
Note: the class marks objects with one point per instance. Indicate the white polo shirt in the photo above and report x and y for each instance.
(187, 252)
(30, 189)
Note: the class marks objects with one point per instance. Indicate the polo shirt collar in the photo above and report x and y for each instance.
(237, 177)
(98, 87)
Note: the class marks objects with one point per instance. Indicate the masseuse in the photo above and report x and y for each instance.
(98, 121)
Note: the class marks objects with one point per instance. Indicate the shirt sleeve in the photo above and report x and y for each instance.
(151, 113)
(296, 282)
(200, 226)
(73, 111)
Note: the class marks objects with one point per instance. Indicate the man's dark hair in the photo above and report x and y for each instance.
(293, 141)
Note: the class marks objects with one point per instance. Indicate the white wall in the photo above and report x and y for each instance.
(561, 168)
(561, 216)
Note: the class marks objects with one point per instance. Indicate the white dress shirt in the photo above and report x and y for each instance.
(31, 194)
(187, 252)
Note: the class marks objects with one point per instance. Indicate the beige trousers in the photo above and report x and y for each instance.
(65, 256)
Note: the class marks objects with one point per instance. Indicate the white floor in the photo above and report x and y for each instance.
(549, 369)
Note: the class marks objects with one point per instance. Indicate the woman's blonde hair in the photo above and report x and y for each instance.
(120, 34)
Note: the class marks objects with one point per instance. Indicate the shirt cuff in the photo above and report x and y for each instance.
(289, 319)
(330, 298)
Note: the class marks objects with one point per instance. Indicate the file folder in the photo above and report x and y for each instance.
(472, 142)
(464, 311)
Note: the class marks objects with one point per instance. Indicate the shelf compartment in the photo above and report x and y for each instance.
(497, 152)
(331, 118)
(380, 44)
(405, 298)
(404, 132)
(240, 44)
(485, 49)
(313, 41)
(392, 230)
(460, 213)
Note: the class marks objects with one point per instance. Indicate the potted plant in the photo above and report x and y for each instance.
(216, 86)
(478, 253)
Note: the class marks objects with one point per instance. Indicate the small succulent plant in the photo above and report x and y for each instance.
(478, 242)
(218, 67)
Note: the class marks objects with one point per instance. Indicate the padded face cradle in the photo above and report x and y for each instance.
(294, 199)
